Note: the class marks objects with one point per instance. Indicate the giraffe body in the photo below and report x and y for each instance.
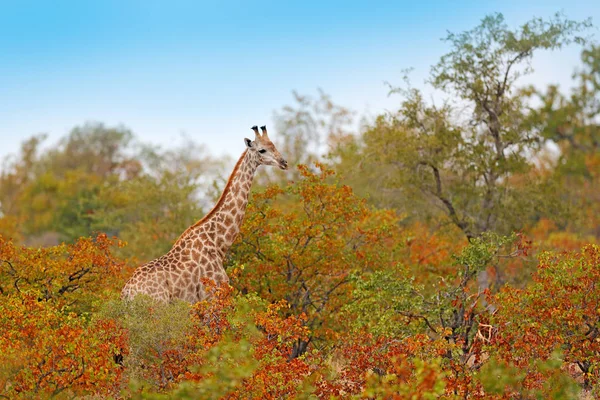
(200, 250)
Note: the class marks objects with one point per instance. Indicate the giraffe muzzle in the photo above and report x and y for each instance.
(283, 164)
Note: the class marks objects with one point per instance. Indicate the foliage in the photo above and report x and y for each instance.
(156, 333)
(15, 174)
(394, 309)
(384, 304)
(311, 127)
(305, 254)
(462, 158)
(558, 311)
(502, 380)
(47, 350)
(571, 123)
(100, 179)
(236, 346)
(93, 148)
(72, 275)
(146, 210)
(365, 366)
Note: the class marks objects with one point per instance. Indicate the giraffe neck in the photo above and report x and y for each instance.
(225, 219)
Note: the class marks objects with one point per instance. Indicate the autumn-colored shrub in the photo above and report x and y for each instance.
(72, 275)
(365, 366)
(558, 312)
(47, 351)
(157, 333)
(301, 244)
(236, 347)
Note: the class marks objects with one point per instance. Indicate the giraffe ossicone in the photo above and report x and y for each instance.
(199, 252)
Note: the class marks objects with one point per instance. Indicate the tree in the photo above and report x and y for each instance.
(100, 179)
(49, 344)
(17, 173)
(390, 308)
(148, 213)
(305, 250)
(169, 195)
(465, 156)
(558, 312)
(56, 191)
(310, 127)
(571, 123)
(94, 148)
(47, 352)
(72, 275)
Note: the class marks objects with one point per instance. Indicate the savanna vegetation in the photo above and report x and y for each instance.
(444, 249)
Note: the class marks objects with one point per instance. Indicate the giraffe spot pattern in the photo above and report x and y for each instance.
(200, 250)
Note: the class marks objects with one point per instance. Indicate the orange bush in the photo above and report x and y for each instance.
(46, 351)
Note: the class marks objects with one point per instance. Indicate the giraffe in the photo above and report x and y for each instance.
(200, 250)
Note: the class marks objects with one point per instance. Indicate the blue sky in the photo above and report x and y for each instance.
(213, 69)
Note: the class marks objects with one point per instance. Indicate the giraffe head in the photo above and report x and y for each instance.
(265, 149)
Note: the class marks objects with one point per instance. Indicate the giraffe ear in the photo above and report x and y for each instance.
(248, 142)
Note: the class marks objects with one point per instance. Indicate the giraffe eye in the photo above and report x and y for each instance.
(261, 151)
